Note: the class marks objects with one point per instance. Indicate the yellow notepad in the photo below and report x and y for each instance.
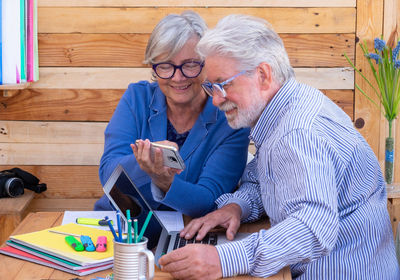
(55, 244)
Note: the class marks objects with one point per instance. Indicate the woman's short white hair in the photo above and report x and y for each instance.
(250, 41)
(172, 33)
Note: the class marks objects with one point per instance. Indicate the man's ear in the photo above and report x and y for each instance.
(265, 75)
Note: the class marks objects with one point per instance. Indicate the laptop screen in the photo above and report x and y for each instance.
(124, 195)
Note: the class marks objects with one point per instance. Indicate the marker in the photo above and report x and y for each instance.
(101, 244)
(73, 242)
(91, 221)
(146, 222)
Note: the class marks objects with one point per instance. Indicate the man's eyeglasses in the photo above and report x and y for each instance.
(218, 88)
(166, 70)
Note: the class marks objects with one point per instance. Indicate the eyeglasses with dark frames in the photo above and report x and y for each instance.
(218, 88)
(189, 69)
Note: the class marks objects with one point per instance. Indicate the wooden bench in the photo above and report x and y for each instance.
(12, 211)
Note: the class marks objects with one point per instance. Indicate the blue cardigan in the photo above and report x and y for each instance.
(214, 153)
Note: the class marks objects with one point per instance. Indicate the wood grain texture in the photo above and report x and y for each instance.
(44, 220)
(120, 78)
(13, 266)
(53, 132)
(143, 20)
(196, 3)
(61, 204)
(50, 154)
(369, 26)
(127, 50)
(66, 181)
(90, 105)
(60, 105)
(12, 211)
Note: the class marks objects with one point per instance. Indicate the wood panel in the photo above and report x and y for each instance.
(54, 132)
(196, 3)
(369, 26)
(61, 204)
(127, 50)
(64, 181)
(120, 78)
(66, 104)
(143, 20)
(344, 99)
(50, 154)
(90, 105)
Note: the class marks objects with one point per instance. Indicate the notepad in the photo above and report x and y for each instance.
(77, 270)
(55, 245)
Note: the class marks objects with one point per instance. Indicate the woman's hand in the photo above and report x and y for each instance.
(152, 163)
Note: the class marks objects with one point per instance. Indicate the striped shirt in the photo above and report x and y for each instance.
(322, 188)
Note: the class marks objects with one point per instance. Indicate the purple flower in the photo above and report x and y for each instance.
(395, 52)
(375, 56)
(379, 44)
(397, 64)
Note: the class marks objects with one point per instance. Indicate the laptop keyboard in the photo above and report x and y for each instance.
(210, 238)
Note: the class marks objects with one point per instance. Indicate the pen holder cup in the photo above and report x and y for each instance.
(133, 261)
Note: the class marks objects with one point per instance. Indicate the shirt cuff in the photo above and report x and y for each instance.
(233, 259)
(246, 211)
(158, 195)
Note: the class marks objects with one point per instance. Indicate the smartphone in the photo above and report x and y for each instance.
(171, 156)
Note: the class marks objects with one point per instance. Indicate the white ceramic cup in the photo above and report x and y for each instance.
(133, 261)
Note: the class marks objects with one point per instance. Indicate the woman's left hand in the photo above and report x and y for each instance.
(161, 175)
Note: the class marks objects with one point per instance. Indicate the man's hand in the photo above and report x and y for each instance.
(227, 217)
(161, 175)
(194, 261)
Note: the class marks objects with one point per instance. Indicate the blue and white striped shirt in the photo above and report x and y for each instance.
(322, 188)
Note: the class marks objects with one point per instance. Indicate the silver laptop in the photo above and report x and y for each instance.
(115, 188)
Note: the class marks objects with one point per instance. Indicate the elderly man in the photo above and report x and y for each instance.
(313, 174)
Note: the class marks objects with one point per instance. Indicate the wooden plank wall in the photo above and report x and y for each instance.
(90, 50)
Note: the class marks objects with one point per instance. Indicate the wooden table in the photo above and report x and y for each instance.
(12, 211)
(16, 269)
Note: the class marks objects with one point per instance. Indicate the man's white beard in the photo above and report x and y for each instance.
(243, 117)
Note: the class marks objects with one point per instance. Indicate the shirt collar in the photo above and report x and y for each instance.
(272, 112)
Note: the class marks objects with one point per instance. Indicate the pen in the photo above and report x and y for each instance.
(119, 226)
(135, 230)
(112, 230)
(146, 222)
(129, 239)
(128, 214)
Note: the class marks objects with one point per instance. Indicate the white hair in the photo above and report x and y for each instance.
(172, 33)
(249, 41)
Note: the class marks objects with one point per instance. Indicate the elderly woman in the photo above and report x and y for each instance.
(176, 111)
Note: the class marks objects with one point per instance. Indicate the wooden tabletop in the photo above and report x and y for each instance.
(16, 269)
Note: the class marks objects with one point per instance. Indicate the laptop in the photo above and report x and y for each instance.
(115, 189)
